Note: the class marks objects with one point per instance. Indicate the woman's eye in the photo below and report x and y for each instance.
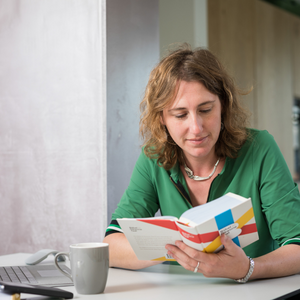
(180, 116)
(204, 111)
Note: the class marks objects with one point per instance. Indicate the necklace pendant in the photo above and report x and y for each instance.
(191, 175)
(189, 172)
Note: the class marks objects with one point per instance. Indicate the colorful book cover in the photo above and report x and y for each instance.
(149, 236)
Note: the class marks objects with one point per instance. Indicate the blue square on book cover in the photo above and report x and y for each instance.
(224, 219)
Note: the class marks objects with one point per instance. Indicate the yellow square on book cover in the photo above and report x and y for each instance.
(199, 227)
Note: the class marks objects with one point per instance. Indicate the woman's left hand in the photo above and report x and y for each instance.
(230, 262)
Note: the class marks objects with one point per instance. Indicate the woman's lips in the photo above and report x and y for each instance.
(197, 140)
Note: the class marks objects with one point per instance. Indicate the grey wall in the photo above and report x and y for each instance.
(182, 21)
(52, 124)
(132, 51)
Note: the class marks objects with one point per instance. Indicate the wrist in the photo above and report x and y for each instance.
(249, 273)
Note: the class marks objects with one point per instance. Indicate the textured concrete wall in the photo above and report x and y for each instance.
(132, 52)
(52, 123)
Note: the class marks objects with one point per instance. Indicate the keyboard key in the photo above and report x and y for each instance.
(16, 274)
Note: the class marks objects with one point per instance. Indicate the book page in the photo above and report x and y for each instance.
(148, 236)
(204, 212)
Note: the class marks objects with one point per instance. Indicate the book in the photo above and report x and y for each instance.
(200, 227)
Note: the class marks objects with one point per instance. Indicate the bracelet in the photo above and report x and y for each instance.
(251, 268)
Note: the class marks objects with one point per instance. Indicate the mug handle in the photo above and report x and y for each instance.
(57, 265)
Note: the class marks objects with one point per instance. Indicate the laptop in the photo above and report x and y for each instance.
(40, 274)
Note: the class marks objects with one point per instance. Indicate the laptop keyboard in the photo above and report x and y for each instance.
(16, 274)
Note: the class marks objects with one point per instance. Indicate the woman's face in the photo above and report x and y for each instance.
(194, 120)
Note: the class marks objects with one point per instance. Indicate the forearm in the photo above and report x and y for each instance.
(121, 254)
(284, 261)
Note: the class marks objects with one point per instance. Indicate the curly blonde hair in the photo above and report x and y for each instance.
(190, 65)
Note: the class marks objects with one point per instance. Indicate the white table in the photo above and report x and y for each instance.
(171, 282)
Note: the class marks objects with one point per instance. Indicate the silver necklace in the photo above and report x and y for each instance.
(190, 173)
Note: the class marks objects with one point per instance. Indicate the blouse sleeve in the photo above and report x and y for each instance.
(280, 198)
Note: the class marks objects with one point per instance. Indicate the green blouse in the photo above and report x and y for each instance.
(259, 172)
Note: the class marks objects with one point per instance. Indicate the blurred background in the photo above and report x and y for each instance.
(72, 75)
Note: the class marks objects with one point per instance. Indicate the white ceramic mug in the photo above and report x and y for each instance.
(89, 266)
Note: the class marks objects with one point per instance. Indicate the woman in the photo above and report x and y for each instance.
(197, 148)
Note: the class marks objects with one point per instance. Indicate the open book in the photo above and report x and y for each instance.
(199, 227)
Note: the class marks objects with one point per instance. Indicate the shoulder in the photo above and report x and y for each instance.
(260, 139)
(154, 169)
(144, 160)
(148, 175)
(259, 144)
(147, 164)
(258, 135)
(262, 149)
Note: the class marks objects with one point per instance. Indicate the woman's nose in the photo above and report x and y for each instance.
(196, 125)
